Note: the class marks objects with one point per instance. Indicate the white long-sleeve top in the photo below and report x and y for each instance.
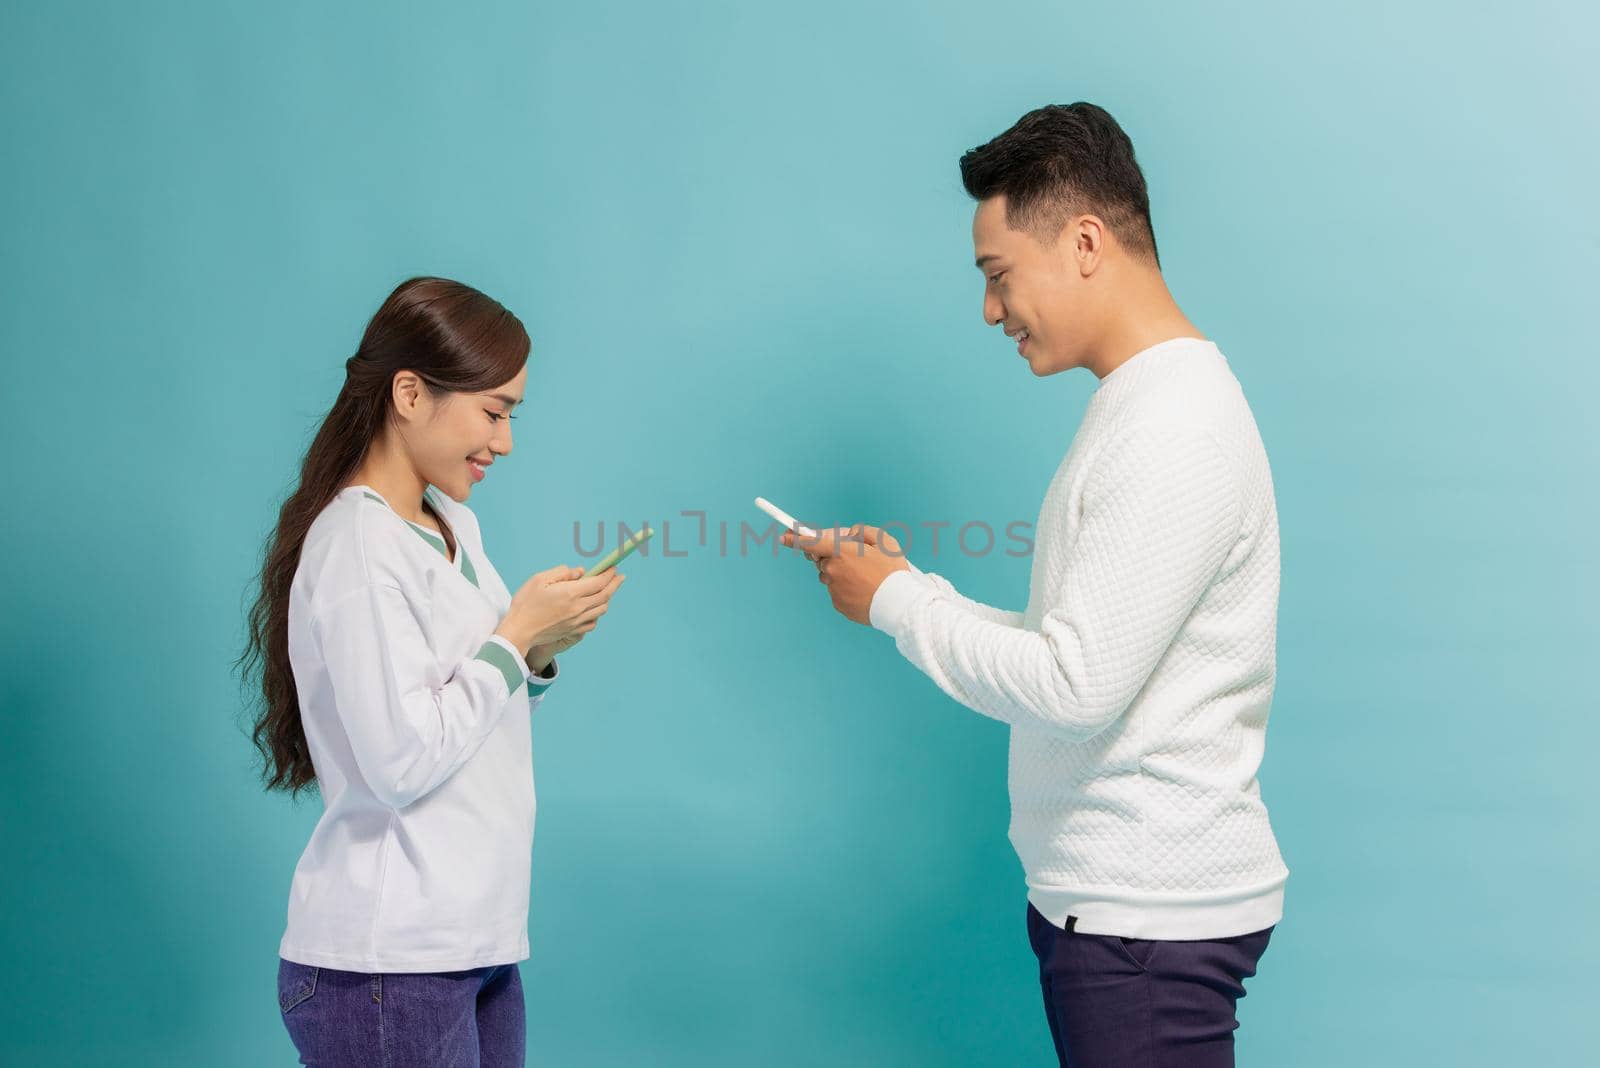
(1138, 681)
(417, 719)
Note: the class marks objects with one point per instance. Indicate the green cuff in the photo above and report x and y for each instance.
(495, 653)
(539, 682)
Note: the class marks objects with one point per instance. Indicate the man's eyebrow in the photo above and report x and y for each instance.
(986, 258)
(510, 402)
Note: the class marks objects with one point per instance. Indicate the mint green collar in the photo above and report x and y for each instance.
(433, 539)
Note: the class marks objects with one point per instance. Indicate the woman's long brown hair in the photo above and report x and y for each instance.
(455, 339)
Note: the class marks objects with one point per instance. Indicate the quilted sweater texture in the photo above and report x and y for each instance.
(1138, 680)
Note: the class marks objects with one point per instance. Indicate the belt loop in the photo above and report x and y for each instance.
(1072, 922)
(377, 987)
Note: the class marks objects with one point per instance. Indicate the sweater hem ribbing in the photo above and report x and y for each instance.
(1104, 911)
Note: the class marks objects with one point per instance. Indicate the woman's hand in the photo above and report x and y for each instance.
(539, 656)
(556, 604)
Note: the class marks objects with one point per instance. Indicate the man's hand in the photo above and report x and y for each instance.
(852, 562)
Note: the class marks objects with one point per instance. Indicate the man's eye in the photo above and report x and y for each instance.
(995, 278)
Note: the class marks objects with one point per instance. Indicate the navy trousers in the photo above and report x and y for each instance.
(1142, 1003)
(466, 1019)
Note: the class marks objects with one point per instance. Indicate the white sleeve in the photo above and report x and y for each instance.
(407, 735)
(977, 608)
(1160, 515)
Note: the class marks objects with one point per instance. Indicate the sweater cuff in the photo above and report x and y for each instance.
(503, 655)
(894, 597)
(539, 682)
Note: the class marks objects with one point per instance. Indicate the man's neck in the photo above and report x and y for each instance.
(1146, 316)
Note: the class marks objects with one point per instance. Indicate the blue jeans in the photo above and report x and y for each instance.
(469, 1019)
(1142, 1003)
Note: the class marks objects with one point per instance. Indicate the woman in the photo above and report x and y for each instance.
(398, 673)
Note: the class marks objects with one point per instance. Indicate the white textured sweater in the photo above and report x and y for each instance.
(1138, 681)
(416, 716)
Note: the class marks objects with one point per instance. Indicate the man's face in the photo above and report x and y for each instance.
(1038, 295)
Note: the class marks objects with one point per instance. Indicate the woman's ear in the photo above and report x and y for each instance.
(406, 392)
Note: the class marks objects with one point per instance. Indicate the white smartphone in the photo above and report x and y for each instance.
(784, 518)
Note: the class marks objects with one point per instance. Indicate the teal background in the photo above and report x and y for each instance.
(737, 236)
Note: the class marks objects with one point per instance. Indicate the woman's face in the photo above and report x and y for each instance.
(464, 431)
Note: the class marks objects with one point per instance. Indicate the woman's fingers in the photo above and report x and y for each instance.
(584, 586)
(559, 573)
(603, 594)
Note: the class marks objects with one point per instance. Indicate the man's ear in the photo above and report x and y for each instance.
(1088, 235)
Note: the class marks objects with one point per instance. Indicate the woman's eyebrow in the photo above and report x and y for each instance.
(510, 402)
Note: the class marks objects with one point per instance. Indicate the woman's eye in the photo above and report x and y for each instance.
(495, 416)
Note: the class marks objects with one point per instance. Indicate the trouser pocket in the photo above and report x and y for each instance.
(296, 983)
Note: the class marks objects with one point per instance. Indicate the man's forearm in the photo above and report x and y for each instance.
(977, 608)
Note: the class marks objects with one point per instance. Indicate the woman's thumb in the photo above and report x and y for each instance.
(551, 574)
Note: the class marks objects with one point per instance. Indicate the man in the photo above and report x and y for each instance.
(1138, 680)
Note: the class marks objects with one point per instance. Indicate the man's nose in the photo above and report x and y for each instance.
(994, 312)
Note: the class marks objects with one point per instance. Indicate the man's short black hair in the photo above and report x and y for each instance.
(1063, 160)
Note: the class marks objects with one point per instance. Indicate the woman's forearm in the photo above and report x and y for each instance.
(539, 658)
